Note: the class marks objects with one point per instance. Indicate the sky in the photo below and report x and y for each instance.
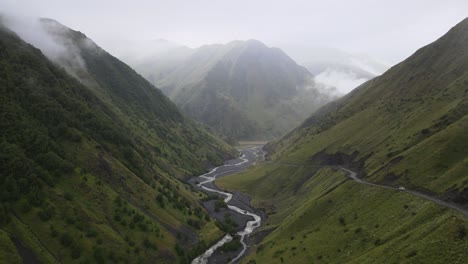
(386, 30)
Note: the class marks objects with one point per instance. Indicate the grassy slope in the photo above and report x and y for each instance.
(80, 176)
(8, 252)
(377, 226)
(407, 125)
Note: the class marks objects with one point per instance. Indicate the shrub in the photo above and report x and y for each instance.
(66, 240)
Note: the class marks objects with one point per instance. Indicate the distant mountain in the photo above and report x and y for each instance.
(93, 157)
(405, 135)
(243, 90)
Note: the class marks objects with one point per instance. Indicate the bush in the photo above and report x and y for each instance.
(75, 252)
(220, 204)
(68, 196)
(99, 255)
(179, 250)
(411, 254)
(66, 240)
(342, 221)
(232, 245)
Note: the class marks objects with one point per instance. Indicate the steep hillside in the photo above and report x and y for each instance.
(142, 107)
(405, 133)
(405, 127)
(88, 171)
(244, 90)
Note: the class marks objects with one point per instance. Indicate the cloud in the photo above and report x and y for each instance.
(343, 81)
(51, 38)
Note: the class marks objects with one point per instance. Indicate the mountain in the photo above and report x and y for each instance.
(406, 111)
(93, 157)
(244, 90)
(404, 134)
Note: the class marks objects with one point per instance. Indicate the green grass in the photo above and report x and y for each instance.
(8, 252)
(410, 123)
(406, 127)
(332, 219)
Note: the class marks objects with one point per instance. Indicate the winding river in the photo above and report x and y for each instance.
(248, 157)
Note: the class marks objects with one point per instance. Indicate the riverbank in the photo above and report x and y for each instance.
(239, 208)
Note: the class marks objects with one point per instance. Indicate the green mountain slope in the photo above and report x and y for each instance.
(243, 90)
(89, 169)
(404, 128)
(320, 216)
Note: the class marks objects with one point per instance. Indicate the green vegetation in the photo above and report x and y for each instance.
(91, 170)
(227, 225)
(232, 245)
(404, 128)
(326, 217)
(8, 252)
(220, 204)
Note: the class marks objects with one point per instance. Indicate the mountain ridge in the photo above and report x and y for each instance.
(403, 133)
(89, 174)
(260, 89)
(441, 58)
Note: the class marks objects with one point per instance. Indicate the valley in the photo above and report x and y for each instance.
(377, 176)
(156, 132)
(233, 202)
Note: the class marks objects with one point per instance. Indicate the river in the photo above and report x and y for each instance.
(248, 157)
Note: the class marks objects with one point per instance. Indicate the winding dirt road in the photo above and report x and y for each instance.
(353, 176)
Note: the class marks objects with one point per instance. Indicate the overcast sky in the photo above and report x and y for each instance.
(388, 30)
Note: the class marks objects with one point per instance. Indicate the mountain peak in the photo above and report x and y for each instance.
(252, 42)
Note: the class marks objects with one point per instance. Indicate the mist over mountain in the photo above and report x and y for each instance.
(406, 111)
(154, 59)
(93, 157)
(127, 136)
(242, 90)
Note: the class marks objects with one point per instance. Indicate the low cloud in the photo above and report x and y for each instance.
(342, 81)
(51, 38)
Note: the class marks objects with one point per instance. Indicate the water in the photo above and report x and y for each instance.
(248, 157)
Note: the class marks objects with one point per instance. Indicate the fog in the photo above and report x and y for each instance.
(384, 32)
(49, 37)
